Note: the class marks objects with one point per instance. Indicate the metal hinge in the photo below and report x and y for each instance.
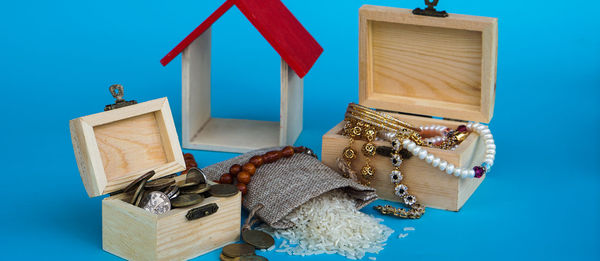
(430, 10)
(117, 91)
(202, 211)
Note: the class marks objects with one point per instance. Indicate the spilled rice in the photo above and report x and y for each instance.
(331, 224)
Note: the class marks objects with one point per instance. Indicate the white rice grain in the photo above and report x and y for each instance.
(331, 224)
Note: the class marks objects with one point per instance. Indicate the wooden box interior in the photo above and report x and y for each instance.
(444, 67)
(115, 147)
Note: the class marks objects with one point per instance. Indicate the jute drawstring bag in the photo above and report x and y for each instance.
(278, 188)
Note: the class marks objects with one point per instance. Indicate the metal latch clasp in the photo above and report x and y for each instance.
(117, 92)
(202, 211)
(430, 10)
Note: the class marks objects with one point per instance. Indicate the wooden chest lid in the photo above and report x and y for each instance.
(115, 147)
(444, 67)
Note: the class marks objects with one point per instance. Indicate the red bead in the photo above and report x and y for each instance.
(243, 177)
(462, 128)
(226, 179)
(250, 168)
(242, 188)
(287, 152)
(256, 160)
(235, 169)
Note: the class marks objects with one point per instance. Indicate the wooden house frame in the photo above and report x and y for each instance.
(298, 50)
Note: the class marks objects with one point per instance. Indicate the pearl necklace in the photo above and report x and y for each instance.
(436, 162)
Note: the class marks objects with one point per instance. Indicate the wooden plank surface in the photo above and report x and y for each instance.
(115, 147)
(430, 66)
(235, 135)
(291, 105)
(196, 84)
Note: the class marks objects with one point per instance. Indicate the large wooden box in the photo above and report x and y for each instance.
(115, 147)
(427, 67)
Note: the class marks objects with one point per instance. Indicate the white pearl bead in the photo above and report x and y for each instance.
(475, 125)
(490, 162)
(405, 142)
(435, 162)
(470, 125)
(429, 158)
(485, 131)
(492, 157)
(457, 172)
(422, 154)
(443, 165)
(490, 152)
(471, 174)
(411, 146)
(488, 136)
(488, 142)
(491, 146)
(464, 173)
(450, 169)
(416, 150)
(480, 128)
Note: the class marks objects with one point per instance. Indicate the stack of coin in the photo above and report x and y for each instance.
(158, 196)
(236, 252)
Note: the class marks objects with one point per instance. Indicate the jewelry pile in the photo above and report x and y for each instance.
(406, 139)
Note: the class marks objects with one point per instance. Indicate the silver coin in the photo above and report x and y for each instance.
(156, 202)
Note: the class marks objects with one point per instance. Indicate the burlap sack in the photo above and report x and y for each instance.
(288, 183)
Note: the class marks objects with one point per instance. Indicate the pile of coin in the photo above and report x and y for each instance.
(240, 252)
(160, 195)
(253, 239)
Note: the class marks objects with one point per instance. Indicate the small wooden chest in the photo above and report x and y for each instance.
(115, 147)
(432, 67)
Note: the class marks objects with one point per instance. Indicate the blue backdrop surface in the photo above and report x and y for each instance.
(542, 201)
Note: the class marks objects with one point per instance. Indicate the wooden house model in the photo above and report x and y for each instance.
(298, 51)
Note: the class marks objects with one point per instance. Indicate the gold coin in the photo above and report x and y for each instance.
(159, 184)
(143, 178)
(258, 239)
(138, 192)
(223, 190)
(237, 250)
(200, 188)
(195, 176)
(186, 200)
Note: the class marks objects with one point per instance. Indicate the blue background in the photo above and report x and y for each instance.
(58, 58)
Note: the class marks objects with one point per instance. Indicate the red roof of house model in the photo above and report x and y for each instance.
(276, 24)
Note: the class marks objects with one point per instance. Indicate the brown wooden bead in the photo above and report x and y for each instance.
(287, 152)
(299, 149)
(256, 160)
(188, 156)
(235, 169)
(242, 187)
(243, 177)
(272, 156)
(226, 179)
(250, 168)
(190, 164)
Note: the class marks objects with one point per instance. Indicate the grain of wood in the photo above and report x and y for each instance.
(133, 233)
(115, 147)
(442, 67)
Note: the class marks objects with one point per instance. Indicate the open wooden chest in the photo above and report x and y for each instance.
(425, 71)
(115, 147)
